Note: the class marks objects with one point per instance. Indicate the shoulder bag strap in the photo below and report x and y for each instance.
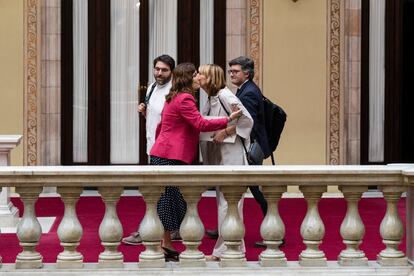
(147, 98)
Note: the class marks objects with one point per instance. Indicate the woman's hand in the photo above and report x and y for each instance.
(142, 108)
(219, 136)
(235, 115)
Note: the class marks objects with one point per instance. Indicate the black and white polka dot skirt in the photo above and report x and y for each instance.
(171, 207)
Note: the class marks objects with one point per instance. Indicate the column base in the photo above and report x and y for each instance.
(110, 264)
(233, 262)
(28, 264)
(69, 264)
(312, 262)
(152, 263)
(392, 261)
(192, 262)
(264, 262)
(353, 261)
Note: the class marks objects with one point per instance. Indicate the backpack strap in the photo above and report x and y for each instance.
(148, 97)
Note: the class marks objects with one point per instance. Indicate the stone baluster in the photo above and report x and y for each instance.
(392, 229)
(151, 229)
(272, 228)
(232, 228)
(312, 228)
(110, 230)
(352, 228)
(70, 230)
(192, 229)
(9, 214)
(29, 230)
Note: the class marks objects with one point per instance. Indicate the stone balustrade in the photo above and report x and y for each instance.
(353, 181)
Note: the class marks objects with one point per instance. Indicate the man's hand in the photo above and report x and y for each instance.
(142, 108)
(219, 136)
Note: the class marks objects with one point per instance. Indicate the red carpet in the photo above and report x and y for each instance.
(131, 210)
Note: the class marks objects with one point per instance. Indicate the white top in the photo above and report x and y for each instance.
(154, 110)
(227, 153)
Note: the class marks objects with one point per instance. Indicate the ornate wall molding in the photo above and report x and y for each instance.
(255, 36)
(32, 51)
(335, 68)
(335, 82)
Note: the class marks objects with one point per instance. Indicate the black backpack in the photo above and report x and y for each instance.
(275, 118)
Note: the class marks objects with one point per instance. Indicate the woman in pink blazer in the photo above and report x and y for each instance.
(177, 144)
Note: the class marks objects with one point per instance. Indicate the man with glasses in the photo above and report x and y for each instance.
(151, 109)
(241, 75)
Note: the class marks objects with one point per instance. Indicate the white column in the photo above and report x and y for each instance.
(192, 229)
(392, 229)
(70, 230)
(232, 228)
(29, 230)
(352, 228)
(376, 80)
(151, 229)
(272, 228)
(9, 214)
(312, 228)
(110, 230)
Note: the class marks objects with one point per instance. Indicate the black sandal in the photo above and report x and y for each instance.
(170, 255)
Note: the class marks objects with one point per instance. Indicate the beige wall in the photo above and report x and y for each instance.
(294, 75)
(11, 72)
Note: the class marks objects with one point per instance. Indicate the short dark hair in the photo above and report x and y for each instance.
(167, 60)
(246, 64)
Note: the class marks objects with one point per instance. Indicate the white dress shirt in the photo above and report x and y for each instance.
(154, 109)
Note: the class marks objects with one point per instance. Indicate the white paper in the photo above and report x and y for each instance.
(208, 136)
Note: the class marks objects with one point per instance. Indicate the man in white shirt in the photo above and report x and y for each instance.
(155, 97)
(151, 109)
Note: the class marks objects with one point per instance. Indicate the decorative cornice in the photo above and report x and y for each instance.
(255, 37)
(31, 81)
(334, 81)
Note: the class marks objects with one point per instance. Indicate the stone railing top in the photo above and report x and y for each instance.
(203, 175)
(8, 142)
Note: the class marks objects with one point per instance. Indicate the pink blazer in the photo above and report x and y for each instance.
(180, 127)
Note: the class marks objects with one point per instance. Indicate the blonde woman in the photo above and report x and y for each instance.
(221, 101)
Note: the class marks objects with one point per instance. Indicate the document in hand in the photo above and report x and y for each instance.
(208, 136)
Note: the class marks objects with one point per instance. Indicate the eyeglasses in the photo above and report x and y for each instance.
(163, 70)
(233, 71)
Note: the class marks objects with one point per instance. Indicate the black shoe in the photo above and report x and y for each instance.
(212, 233)
(260, 244)
(170, 255)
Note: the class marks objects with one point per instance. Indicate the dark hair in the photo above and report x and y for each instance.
(182, 80)
(246, 64)
(167, 60)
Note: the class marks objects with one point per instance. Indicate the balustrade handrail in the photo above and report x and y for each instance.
(348, 175)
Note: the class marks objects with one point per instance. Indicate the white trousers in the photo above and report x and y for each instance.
(222, 207)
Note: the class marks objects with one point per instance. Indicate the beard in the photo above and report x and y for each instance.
(162, 81)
